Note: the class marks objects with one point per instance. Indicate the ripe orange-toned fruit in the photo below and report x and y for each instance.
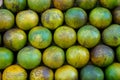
(42, 73)
(27, 19)
(15, 39)
(6, 19)
(14, 72)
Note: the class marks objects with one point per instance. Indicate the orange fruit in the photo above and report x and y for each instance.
(53, 57)
(52, 18)
(64, 36)
(41, 73)
(27, 19)
(40, 37)
(63, 4)
(102, 55)
(29, 57)
(15, 39)
(77, 56)
(6, 57)
(6, 19)
(14, 72)
(66, 72)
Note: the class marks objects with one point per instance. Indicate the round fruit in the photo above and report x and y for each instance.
(14, 72)
(86, 4)
(63, 4)
(64, 36)
(39, 5)
(6, 19)
(41, 73)
(52, 18)
(15, 39)
(53, 57)
(116, 15)
(29, 57)
(75, 17)
(91, 72)
(27, 19)
(118, 53)
(88, 36)
(112, 72)
(15, 5)
(109, 3)
(100, 17)
(1, 3)
(6, 57)
(102, 55)
(111, 35)
(77, 56)
(66, 72)
(40, 37)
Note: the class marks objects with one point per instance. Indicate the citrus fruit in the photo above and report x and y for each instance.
(41, 73)
(112, 72)
(40, 37)
(110, 4)
(75, 17)
(66, 72)
(6, 19)
(88, 36)
(110, 35)
(39, 5)
(118, 53)
(52, 18)
(102, 55)
(116, 15)
(27, 19)
(1, 3)
(86, 4)
(53, 57)
(91, 72)
(77, 56)
(63, 4)
(100, 17)
(14, 72)
(14, 39)
(6, 57)
(15, 5)
(29, 57)
(64, 36)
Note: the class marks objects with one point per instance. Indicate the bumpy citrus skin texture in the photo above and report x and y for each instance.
(102, 55)
(91, 72)
(39, 5)
(15, 5)
(6, 57)
(86, 4)
(41, 73)
(116, 15)
(109, 3)
(112, 72)
(40, 37)
(52, 18)
(53, 57)
(77, 56)
(29, 57)
(78, 19)
(6, 19)
(66, 72)
(88, 36)
(15, 39)
(14, 72)
(100, 17)
(64, 36)
(111, 35)
(27, 19)
(63, 4)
